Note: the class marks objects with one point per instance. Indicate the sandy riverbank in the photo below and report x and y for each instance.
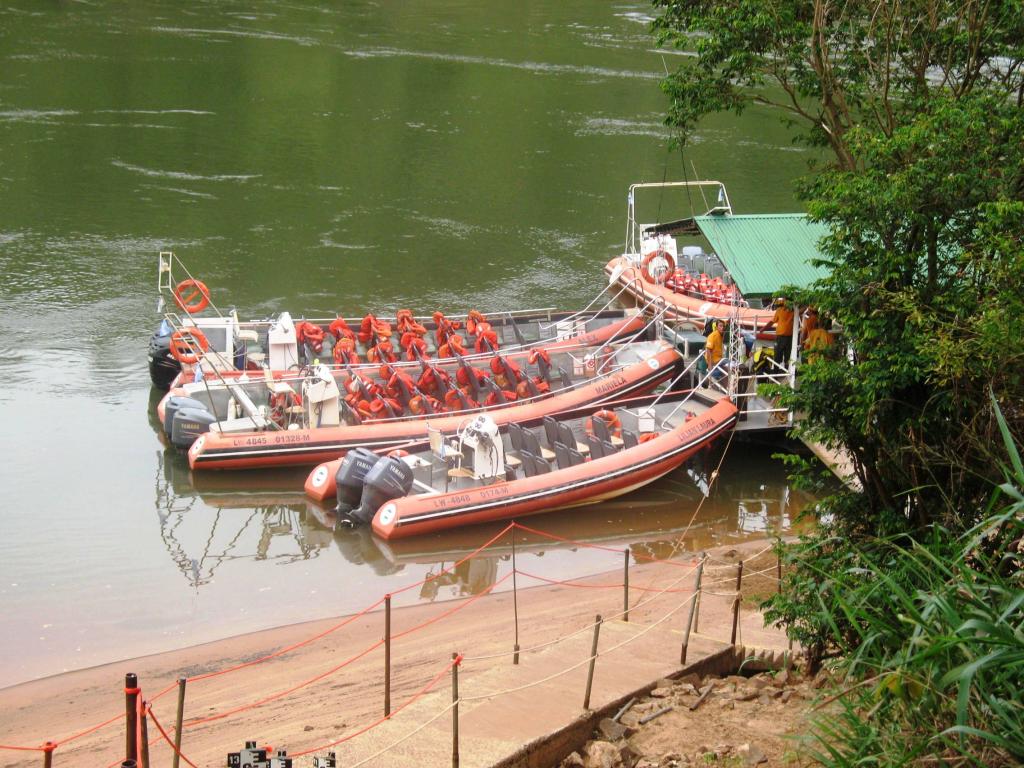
(313, 694)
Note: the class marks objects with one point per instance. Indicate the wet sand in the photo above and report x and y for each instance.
(333, 686)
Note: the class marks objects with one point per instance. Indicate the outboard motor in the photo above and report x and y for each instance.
(175, 404)
(189, 423)
(162, 365)
(389, 479)
(349, 480)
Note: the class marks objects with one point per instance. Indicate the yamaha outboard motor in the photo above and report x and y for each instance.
(389, 479)
(349, 480)
(175, 404)
(162, 365)
(189, 423)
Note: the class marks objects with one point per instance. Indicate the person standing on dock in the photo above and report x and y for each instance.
(713, 349)
(782, 321)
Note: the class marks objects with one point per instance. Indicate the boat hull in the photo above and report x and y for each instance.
(681, 306)
(585, 483)
(250, 450)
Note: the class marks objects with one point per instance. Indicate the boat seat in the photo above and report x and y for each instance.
(515, 436)
(600, 427)
(575, 457)
(566, 379)
(533, 445)
(596, 447)
(249, 337)
(256, 358)
(550, 430)
(609, 447)
(629, 439)
(540, 465)
(567, 436)
(276, 387)
(529, 465)
(562, 456)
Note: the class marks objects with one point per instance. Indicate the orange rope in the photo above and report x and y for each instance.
(166, 737)
(419, 694)
(522, 527)
(449, 612)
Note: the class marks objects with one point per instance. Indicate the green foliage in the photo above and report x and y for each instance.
(931, 632)
(830, 67)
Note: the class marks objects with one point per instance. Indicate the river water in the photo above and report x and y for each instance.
(317, 157)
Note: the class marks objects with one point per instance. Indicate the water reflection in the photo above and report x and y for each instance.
(211, 520)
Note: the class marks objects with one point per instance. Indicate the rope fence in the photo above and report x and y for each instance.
(137, 743)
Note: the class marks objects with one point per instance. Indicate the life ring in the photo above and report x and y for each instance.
(188, 344)
(396, 453)
(192, 295)
(608, 417)
(662, 270)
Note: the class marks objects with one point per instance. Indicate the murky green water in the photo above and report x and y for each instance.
(315, 157)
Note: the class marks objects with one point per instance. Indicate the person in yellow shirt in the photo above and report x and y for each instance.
(713, 349)
(818, 340)
(782, 321)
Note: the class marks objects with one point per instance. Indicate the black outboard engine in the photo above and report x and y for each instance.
(175, 404)
(189, 423)
(162, 365)
(349, 479)
(389, 479)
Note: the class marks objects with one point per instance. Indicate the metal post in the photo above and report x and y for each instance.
(131, 696)
(693, 611)
(696, 615)
(593, 661)
(515, 598)
(455, 710)
(736, 602)
(143, 737)
(48, 748)
(178, 722)
(387, 655)
(625, 586)
(129, 764)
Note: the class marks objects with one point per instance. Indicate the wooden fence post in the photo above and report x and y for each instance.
(693, 611)
(387, 655)
(455, 711)
(131, 696)
(178, 722)
(736, 602)
(515, 598)
(593, 661)
(625, 586)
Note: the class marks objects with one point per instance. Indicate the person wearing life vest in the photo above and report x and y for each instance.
(818, 340)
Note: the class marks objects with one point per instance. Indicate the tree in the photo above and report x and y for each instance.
(921, 106)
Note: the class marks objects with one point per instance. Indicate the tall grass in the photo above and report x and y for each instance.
(929, 636)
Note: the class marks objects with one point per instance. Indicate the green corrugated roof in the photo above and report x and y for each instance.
(764, 252)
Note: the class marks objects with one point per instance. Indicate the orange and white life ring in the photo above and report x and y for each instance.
(192, 295)
(657, 266)
(188, 344)
(608, 417)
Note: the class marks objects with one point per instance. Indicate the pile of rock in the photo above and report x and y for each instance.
(681, 709)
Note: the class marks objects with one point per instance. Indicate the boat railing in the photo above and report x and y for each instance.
(633, 230)
(586, 309)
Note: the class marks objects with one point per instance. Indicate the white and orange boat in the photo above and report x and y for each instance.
(195, 331)
(492, 472)
(686, 282)
(327, 424)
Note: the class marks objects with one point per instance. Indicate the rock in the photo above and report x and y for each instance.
(611, 730)
(750, 754)
(821, 679)
(601, 754)
(736, 679)
(664, 683)
(308, 728)
(661, 693)
(686, 689)
(786, 695)
(690, 679)
(705, 688)
(764, 698)
(747, 695)
(573, 760)
(728, 704)
(628, 755)
(757, 683)
(781, 680)
(646, 762)
(630, 719)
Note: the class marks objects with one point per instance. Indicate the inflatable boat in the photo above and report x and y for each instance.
(491, 471)
(193, 332)
(327, 424)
